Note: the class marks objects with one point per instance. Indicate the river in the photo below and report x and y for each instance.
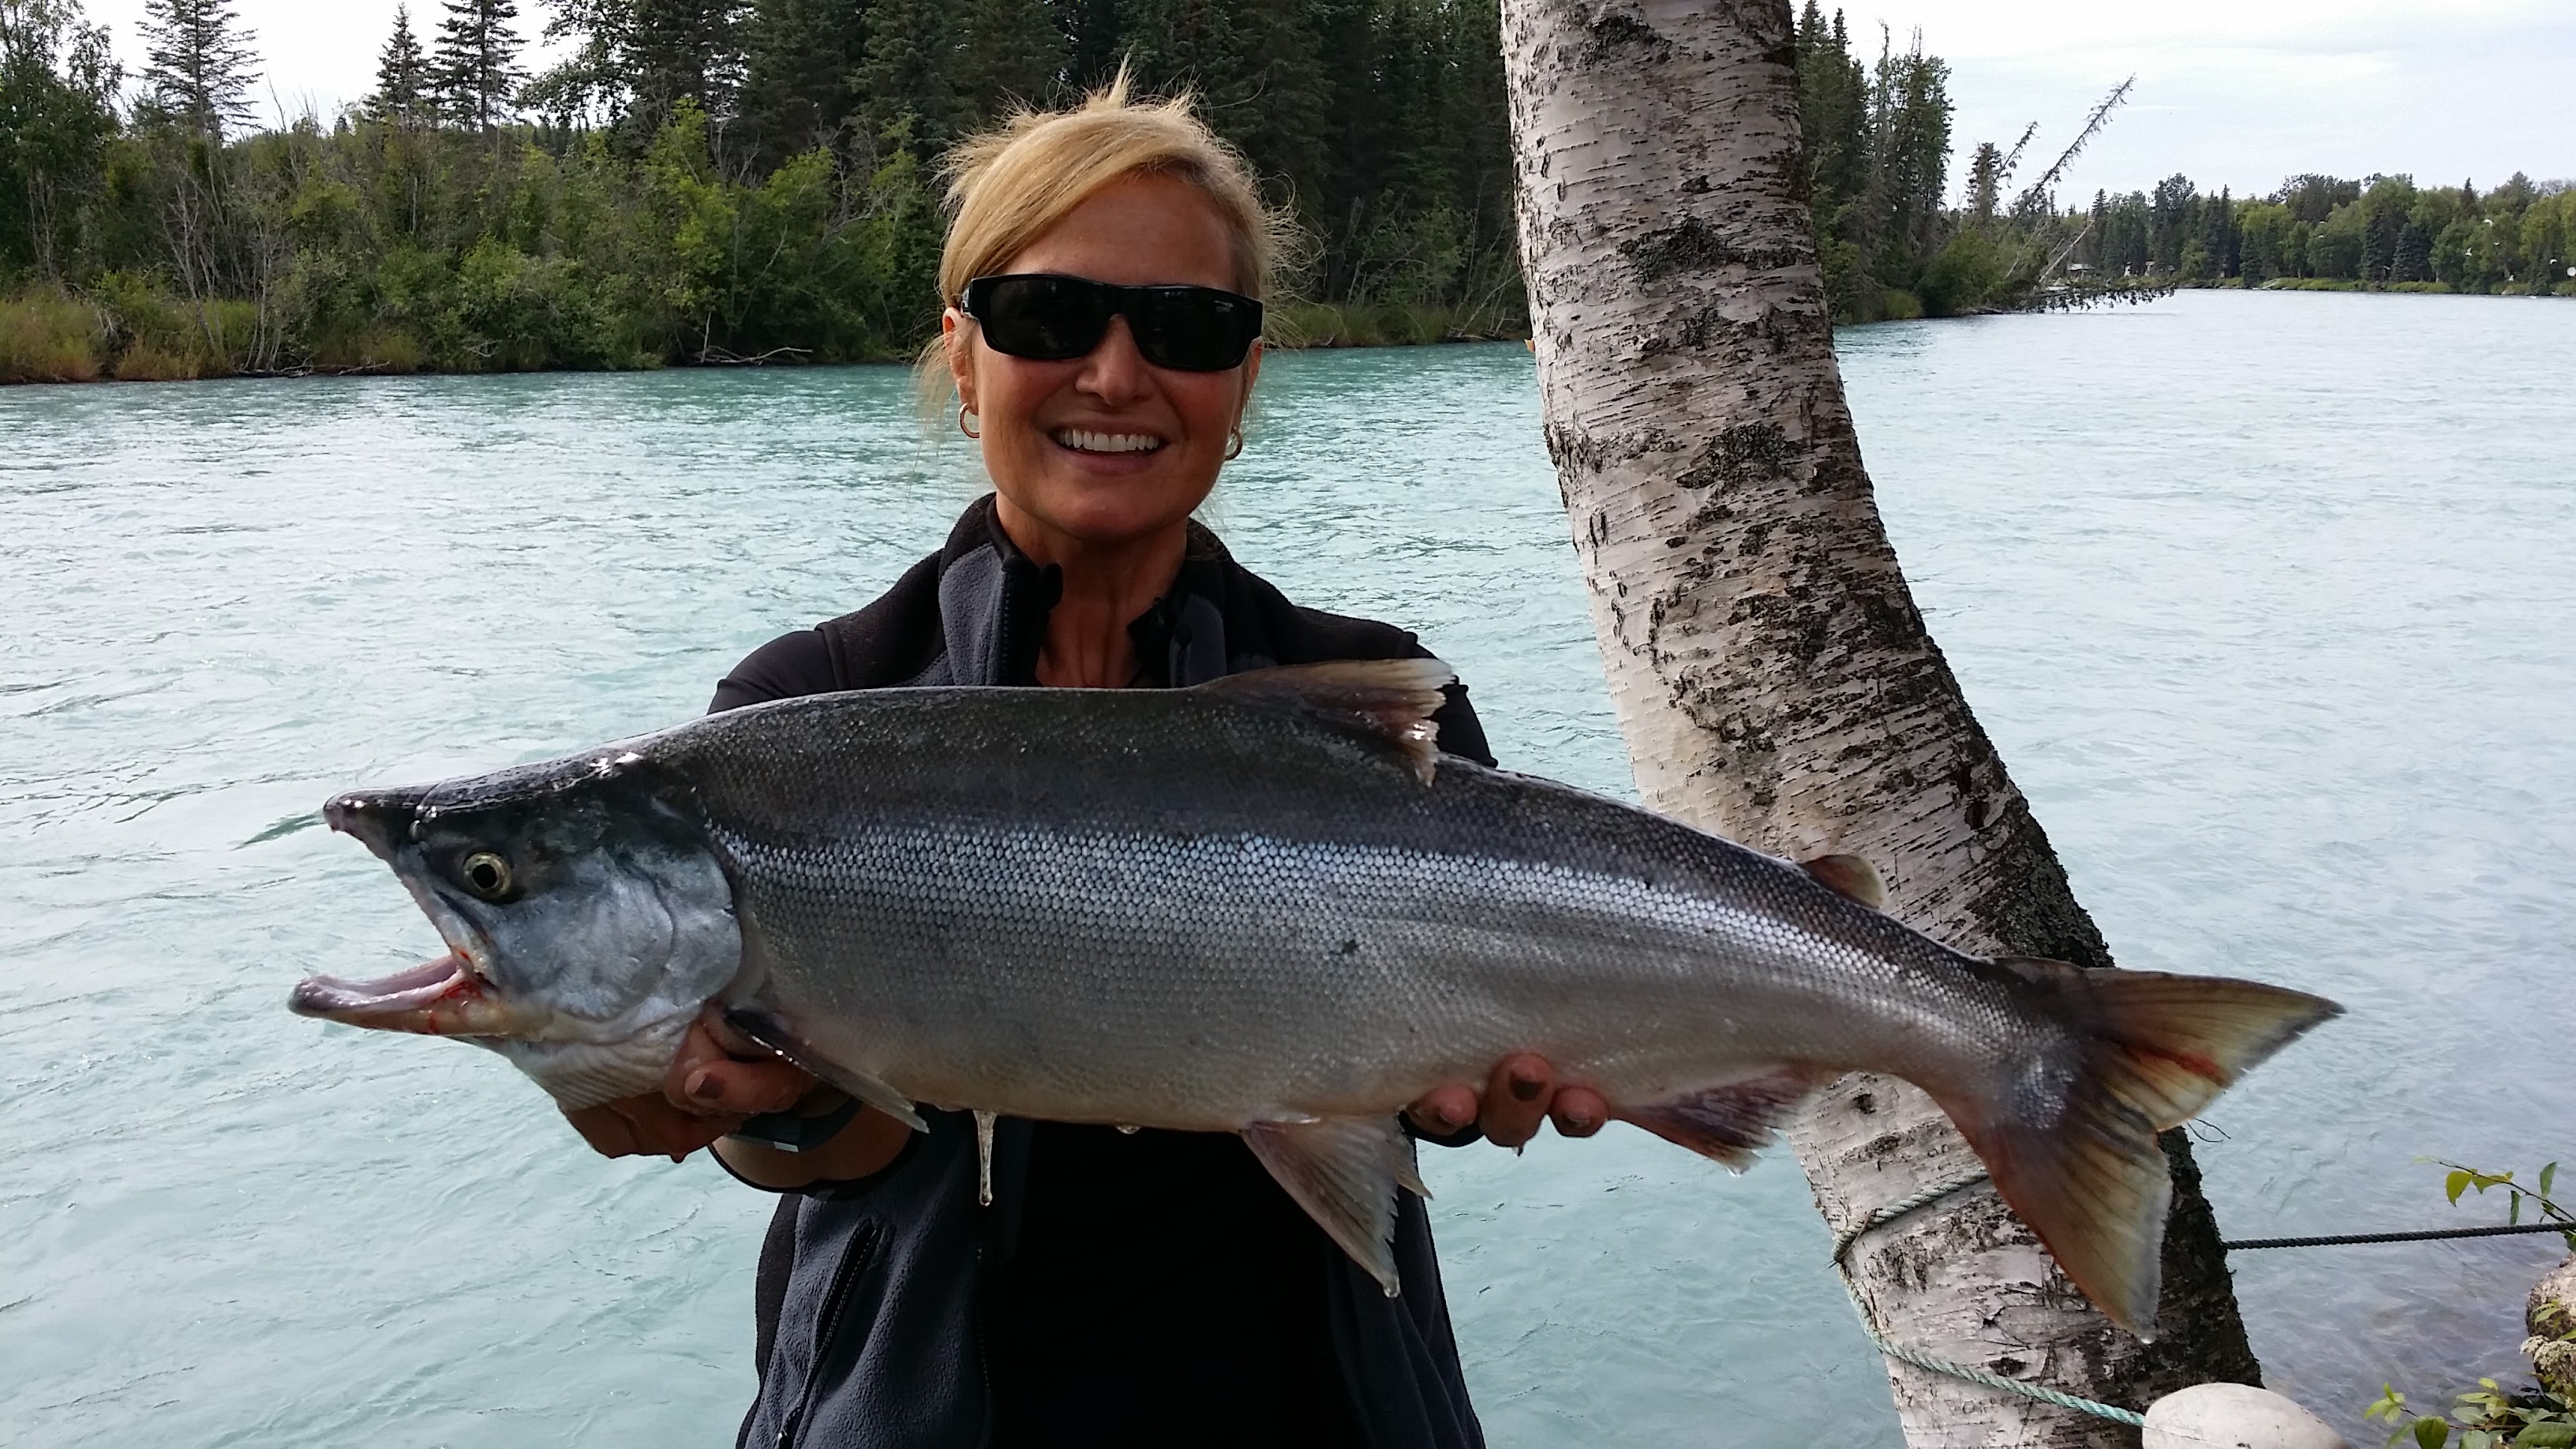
(2267, 599)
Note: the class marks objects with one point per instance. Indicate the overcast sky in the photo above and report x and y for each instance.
(2230, 92)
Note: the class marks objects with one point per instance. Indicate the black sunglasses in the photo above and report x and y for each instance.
(1051, 318)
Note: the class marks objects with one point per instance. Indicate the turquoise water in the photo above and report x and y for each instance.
(2268, 601)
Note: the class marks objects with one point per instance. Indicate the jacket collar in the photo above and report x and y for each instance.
(994, 603)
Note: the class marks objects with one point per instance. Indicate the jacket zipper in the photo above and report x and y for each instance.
(836, 1301)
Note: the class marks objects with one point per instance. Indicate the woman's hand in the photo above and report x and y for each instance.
(1522, 1092)
(718, 1080)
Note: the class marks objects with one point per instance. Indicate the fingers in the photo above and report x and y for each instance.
(1578, 1111)
(744, 1089)
(1444, 1111)
(632, 1126)
(1522, 1093)
(706, 1077)
(1516, 1098)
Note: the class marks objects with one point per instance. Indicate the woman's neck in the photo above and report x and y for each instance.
(1106, 587)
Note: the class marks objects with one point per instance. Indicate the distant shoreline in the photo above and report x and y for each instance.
(1305, 327)
(59, 338)
(2337, 284)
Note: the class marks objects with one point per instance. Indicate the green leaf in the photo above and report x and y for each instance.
(2431, 1433)
(2546, 1175)
(2546, 1436)
(2457, 1183)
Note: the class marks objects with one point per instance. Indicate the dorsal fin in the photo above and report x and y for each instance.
(1849, 876)
(1392, 699)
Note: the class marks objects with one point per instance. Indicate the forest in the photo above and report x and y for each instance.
(2380, 232)
(705, 182)
(701, 181)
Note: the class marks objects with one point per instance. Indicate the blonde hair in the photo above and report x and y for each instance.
(1008, 186)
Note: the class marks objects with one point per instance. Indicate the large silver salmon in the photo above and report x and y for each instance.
(1263, 905)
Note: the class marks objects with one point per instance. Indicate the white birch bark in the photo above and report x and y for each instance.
(1770, 671)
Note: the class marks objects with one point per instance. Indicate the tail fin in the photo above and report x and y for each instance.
(2074, 1151)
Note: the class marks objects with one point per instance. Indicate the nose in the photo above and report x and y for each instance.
(1114, 371)
(379, 819)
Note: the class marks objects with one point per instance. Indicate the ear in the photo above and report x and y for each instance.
(960, 342)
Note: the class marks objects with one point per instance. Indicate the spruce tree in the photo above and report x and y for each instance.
(906, 81)
(402, 75)
(475, 72)
(1010, 51)
(199, 68)
(682, 51)
(799, 64)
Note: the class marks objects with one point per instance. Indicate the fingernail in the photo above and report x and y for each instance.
(705, 1087)
(1578, 1122)
(1526, 1088)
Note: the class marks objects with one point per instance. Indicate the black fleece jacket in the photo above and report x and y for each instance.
(1132, 1289)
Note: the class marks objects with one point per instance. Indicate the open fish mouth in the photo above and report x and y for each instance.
(444, 997)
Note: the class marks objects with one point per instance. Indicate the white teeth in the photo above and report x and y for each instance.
(1091, 442)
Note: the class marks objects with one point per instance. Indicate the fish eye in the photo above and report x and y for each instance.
(486, 875)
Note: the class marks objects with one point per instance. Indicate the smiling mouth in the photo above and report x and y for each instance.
(1085, 440)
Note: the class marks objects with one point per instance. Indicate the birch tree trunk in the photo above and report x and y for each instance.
(1771, 673)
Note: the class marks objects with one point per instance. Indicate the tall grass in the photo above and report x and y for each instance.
(46, 335)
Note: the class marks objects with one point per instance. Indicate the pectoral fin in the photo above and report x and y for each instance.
(779, 1037)
(1344, 1172)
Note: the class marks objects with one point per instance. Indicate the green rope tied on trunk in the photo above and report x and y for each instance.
(2024, 1387)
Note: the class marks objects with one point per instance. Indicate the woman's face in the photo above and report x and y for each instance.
(1108, 449)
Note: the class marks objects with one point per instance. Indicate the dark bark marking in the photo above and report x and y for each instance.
(2028, 906)
(1616, 30)
(1746, 453)
(1694, 245)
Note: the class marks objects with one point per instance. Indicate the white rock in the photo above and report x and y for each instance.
(2235, 1416)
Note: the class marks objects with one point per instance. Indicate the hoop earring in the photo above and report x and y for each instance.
(1234, 445)
(964, 411)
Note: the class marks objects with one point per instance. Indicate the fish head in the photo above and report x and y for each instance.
(587, 921)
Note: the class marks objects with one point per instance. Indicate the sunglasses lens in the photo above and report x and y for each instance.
(1050, 318)
(1195, 329)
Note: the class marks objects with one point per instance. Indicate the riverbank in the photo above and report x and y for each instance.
(126, 333)
(2337, 284)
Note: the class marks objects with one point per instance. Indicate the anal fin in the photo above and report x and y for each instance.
(1344, 1171)
(1731, 1122)
(780, 1038)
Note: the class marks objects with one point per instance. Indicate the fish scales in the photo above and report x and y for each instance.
(1136, 940)
(1261, 905)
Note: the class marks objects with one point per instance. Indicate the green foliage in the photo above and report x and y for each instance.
(1876, 151)
(2486, 1417)
(57, 88)
(2490, 1416)
(2544, 1209)
(2324, 234)
(709, 181)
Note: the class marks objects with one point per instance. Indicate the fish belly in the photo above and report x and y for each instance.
(1211, 978)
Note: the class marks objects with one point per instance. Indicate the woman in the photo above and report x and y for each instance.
(1102, 338)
